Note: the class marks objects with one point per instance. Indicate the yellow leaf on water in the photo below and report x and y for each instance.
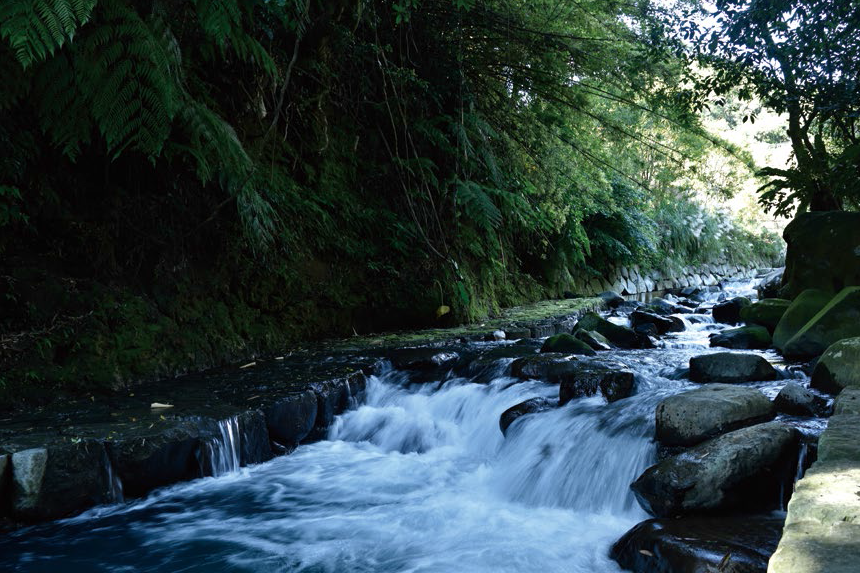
(159, 406)
(442, 310)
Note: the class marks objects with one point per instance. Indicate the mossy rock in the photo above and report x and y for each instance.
(839, 367)
(745, 337)
(594, 339)
(567, 344)
(839, 319)
(618, 335)
(802, 309)
(766, 313)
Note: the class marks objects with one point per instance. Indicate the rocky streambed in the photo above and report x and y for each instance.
(515, 453)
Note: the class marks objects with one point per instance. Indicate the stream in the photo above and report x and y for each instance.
(419, 478)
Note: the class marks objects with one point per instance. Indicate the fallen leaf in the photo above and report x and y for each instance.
(159, 405)
(442, 310)
(646, 552)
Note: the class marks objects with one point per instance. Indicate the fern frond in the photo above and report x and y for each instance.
(35, 29)
(126, 71)
(478, 205)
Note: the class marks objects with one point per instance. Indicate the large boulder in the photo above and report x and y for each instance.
(796, 400)
(730, 368)
(691, 417)
(770, 284)
(747, 468)
(839, 319)
(823, 252)
(839, 367)
(620, 336)
(729, 312)
(661, 323)
(766, 313)
(567, 344)
(732, 544)
(802, 309)
(531, 406)
(745, 337)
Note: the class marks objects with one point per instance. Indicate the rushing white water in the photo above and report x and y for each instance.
(220, 453)
(417, 479)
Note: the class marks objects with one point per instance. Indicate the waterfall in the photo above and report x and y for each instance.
(220, 453)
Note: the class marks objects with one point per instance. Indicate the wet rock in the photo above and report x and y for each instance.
(611, 298)
(766, 313)
(620, 336)
(691, 417)
(746, 468)
(730, 368)
(422, 359)
(822, 252)
(839, 319)
(567, 344)
(532, 406)
(802, 309)
(647, 329)
(661, 324)
(594, 339)
(665, 307)
(770, 285)
(796, 400)
(839, 367)
(291, 418)
(746, 337)
(333, 398)
(254, 446)
(741, 544)
(59, 480)
(645, 341)
(158, 456)
(614, 383)
(729, 312)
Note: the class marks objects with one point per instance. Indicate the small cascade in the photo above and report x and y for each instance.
(220, 454)
(114, 484)
(802, 464)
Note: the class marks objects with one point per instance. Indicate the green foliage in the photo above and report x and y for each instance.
(35, 29)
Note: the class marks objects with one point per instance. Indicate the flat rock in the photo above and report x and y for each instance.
(848, 402)
(691, 417)
(747, 468)
(840, 442)
(736, 544)
(822, 526)
(730, 368)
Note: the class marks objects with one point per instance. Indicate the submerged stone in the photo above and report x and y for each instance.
(531, 406)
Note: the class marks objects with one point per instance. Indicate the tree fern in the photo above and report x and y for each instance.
(124, 70)
(35, 29)
(478, 206)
